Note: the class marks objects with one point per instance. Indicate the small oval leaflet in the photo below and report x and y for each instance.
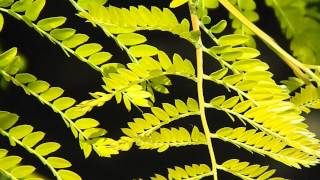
(219, 27)
(100, 58)
(88, 49)
(20, 131)
(7, 57)
(62, 34)
(232, 40)
(229, 103)
(143, 50)
(47, 148)
(33, 138)
(52, 93)
(130, 39)
(177, 3)
(58, 162)
(1, 22)
(25, 78)
(21, 6)
(181, 106)
(75, 40)
(22, 171)
(48, 24)
(161, 114)
(38, 86)
(7, 120)
(35, 9)
(86, 123)
(192, 105)
(64, 103)
(9, 162)
(68, 175)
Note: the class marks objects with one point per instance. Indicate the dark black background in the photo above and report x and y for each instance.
(48, 62)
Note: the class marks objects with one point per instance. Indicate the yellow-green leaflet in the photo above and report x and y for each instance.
(35, 9)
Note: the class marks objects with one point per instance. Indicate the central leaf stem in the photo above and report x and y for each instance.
(199, 58)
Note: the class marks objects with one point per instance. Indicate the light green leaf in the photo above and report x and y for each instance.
(161, 114)
(9, 162)
(141, 102)
(3, 153)
(219, 74)
(35, 9)
(75, 40)
(130, 39)
(38, 86)
(211, 3)
(229, 103)
(87, 149)
(58, 162)
(99, 58)
(47, 148)
(181, 106)
(170, 109)
(88, 49)
(74, 112)
(95, 132)
(6, 3)
(86, 3)
(217, 101)
(232, 40)
(68, 175)
(177, 3)
(164, 60)
(247, 52)
(22, 171)
(86, 123)
(52, 93)
(7, 57)
(25, 78)
(7, 120)
(1, 22)
(48, 24)
(20, 131)
(64, 103)
(232, 79)
(63, 33)
(224, 132)
(219, 27)
(32, 139)
(143, 50)
(21, 6)
(192, 105)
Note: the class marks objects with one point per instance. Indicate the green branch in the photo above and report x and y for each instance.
(199, 57)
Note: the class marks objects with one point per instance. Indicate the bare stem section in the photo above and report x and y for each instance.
(199, 58)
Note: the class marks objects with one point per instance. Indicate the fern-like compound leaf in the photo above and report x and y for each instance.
(264, 144)
(174, 137)
(300, 28)
(194, 171)
(309, 97)
(83, 128)
(246, 171)
(160, 117)
(130, 84)
(24, 136)
(135, 19)
(11, 168)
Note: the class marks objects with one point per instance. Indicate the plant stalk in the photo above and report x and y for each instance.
(199, 58)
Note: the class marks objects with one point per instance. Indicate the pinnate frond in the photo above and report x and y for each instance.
(121, 20)
(194, 171)
(82, 128)
(24, 136)
(308, 98)
(130, 84)
(280, 120)
(11, 168)
(160, 117)
(264, 144)
(248, 172)
(174, 137)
